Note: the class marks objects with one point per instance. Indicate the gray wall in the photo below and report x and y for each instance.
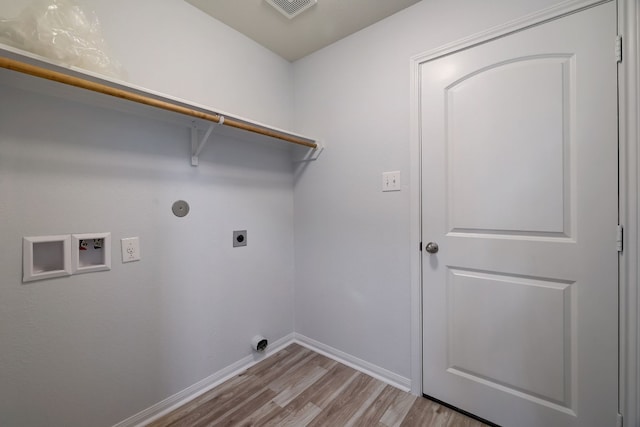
(94, 349)
(353, 272)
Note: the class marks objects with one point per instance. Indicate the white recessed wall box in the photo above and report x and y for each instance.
(45, 257)
(90, 252)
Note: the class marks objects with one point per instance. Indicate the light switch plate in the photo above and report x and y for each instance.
(130, 249)
(391, 181)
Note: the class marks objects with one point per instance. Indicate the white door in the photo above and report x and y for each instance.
(519, 191)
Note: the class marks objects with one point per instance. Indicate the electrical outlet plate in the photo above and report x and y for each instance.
(239, 238)
(130, 249)
(391, 181)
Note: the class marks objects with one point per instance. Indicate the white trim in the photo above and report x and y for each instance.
(629, 92)
(169, 404)
(363, 366)
(415, 258)
(537, 18)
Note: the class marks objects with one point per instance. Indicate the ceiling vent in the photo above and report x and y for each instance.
(291, 8)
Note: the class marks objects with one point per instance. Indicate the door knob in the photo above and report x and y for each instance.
(432, 247)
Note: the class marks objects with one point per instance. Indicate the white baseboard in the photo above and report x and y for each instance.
(169, 404)
(365, 367)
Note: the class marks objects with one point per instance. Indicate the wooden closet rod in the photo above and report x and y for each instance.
(33, 70)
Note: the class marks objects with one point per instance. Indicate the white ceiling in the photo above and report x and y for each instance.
(315, 28)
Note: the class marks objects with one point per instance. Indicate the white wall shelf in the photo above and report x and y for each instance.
(25, 70)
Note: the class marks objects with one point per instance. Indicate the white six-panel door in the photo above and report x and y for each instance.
(519, 191)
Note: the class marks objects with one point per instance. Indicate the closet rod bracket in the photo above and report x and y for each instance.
(198, 145)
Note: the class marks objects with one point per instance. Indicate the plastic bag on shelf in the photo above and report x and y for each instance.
(64, 31)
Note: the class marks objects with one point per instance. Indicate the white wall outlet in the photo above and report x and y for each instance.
(391, 181)
(130, 249)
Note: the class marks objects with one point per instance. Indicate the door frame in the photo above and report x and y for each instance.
(629, 189)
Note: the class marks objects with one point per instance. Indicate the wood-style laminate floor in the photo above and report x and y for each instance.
(298, 387)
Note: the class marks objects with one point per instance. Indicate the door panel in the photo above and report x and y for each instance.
(527, 325)
(527, 141)
(519, 166)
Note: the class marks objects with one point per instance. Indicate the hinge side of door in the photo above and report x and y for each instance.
(619, 421)
(618, 49)
(619, 237)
